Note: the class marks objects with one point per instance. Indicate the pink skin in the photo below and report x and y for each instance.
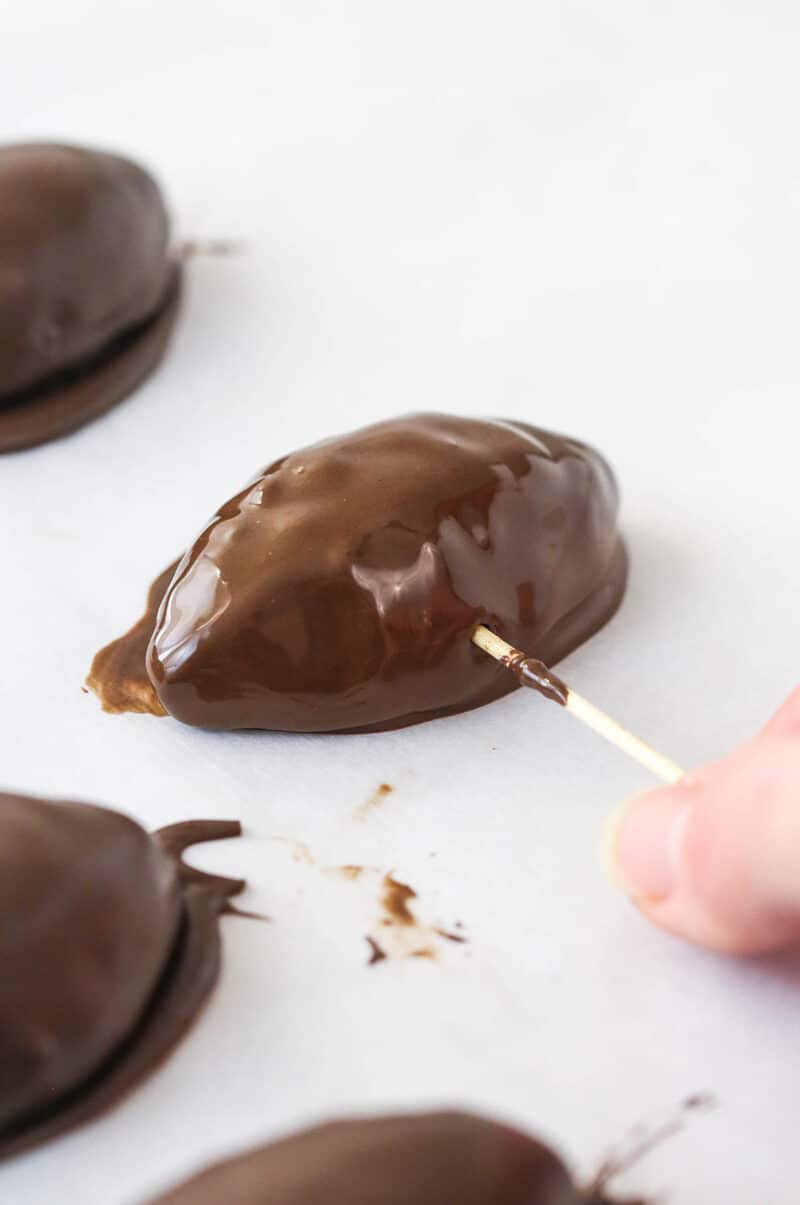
(715, 859)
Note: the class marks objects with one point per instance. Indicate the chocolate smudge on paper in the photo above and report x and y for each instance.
(348, 871)
(399, 933)
(402, 933)
(395, 900)
(377, 953)
(457, 937)
(365, 809)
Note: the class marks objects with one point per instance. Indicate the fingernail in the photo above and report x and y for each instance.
(641, 844)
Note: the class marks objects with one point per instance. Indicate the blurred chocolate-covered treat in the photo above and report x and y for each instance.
(435, 1159)
(109, 945)
(340, 589)
(88, 288)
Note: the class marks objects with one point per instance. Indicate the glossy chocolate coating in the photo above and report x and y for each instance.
(439, 1159)
(83, 249)
(340, 589)
(118, 675)
(108, 946)
(90, 909)
(84, 274)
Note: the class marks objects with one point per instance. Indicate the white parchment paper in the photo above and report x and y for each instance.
(584, 216)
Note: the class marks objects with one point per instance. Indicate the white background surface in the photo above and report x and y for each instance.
(581, 215)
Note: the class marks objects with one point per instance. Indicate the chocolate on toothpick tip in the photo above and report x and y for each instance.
(535, 674)
(531, 672)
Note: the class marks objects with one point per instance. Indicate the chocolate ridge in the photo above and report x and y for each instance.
(73, 397)
(186, 982)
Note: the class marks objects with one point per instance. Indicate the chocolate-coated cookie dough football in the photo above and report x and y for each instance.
(88, 287)
(109, 945)
(340, 590)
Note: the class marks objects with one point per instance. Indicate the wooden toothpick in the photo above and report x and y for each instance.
(531, 672)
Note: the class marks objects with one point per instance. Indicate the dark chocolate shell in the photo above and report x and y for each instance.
(108, 947)
(340, 589)
(88, 289)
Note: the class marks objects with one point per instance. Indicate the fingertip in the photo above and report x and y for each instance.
(647, 853)
(786, 720)
(641, 844)
(714, 859)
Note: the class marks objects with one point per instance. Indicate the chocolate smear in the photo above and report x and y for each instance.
(381, 792)
(402, 934)
(395, 900)
(349, 871)
(377, 954)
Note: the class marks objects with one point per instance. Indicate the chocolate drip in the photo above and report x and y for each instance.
(535, 674)
(377, 953)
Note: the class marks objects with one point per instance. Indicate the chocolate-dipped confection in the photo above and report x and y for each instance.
(108, 947)
(88, 289)
(438, 1159)
(340, 589)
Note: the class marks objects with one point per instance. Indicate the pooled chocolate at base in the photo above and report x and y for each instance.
(458, 938)
(110, 945)
(377, 953)
(340, 590)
